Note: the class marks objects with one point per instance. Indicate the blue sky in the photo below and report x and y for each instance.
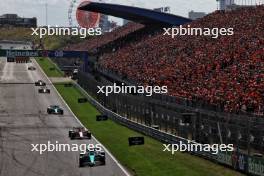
(58, 9)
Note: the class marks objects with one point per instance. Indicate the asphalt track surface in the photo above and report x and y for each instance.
(24, 121)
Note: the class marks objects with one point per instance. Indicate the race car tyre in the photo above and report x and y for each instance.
(71, 136)
(81, 164)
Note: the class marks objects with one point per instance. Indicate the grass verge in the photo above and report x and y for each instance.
(141, 160)
(49, 67)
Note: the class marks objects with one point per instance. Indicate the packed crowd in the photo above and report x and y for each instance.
(227, 71)
(95, 42)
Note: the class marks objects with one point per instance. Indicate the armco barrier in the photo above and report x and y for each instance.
(235, 160)
(156, 134)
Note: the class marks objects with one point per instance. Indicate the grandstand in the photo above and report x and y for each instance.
(218, 74)
(220, 79)
(216, 86)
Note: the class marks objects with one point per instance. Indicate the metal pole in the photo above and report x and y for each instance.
(46, 8)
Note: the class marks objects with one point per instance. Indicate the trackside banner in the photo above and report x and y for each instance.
(248, 164)
(42, 53)
(256, 166)
(10, 53)
(225, 158)
(20, 53)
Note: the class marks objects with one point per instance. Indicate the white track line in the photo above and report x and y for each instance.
(107, 151)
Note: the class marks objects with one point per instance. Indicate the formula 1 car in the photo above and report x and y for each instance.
(80, 133)
(31, 68)
(92, 157)
(40, 83)
(44, 90)
(54, 109)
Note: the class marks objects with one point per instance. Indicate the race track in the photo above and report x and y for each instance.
(24, 121)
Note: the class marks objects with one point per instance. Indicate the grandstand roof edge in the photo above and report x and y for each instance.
(136, 14)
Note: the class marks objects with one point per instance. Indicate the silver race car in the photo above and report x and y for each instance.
(55, 109)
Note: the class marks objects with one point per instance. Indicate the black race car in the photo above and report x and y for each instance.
(80, 133)
(55, 109)
(44, 90)
(40, 83)
(31, 68)
(92, 157)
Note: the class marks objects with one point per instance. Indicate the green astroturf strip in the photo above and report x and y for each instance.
(49, 67)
